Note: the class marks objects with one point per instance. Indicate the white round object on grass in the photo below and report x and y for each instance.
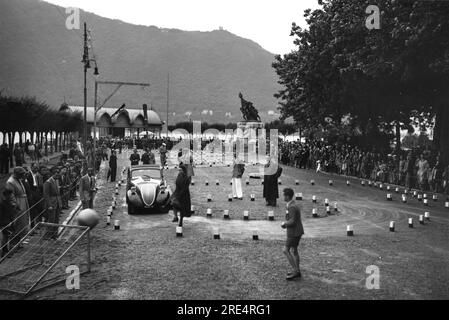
(88, 218)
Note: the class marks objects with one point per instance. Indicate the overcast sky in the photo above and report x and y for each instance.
(266, 22)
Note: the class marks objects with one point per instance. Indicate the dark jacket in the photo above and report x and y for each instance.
(52, 195)
(145, 158)
(238, 170)
(113, 161)
(270, 184)
(294, 224)
(134, 158)
(181, 197)
(7, 212)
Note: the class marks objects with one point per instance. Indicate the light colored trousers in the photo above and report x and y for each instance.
(237, 187)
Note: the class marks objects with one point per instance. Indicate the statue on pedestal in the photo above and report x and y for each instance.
(249, 112)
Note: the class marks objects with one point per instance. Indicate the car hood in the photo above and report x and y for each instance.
(148, 189)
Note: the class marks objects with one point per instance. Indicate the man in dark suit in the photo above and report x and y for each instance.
(135, 158)
(112, 166)
(145, 157)
(64, 183)
(295, 231)
(53, 202)
(87, 189)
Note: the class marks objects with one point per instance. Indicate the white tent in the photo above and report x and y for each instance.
(144, 133)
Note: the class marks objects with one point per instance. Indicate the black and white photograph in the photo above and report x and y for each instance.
(224, 155)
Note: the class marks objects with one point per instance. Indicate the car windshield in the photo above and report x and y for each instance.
(146, 174)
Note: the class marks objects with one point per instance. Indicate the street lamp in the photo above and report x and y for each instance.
(86, 63)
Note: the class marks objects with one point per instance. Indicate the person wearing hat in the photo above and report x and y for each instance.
(135, 158)
(53, 201)
(17, 200)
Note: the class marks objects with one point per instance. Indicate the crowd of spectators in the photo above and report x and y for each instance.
(420, 169)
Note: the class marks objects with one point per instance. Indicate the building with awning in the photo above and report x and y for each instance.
(125, 122)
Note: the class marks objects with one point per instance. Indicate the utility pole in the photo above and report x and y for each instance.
(168, 93)
(86, 66)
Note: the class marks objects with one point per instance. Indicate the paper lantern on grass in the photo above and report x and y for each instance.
(421, 219)
(349, 230)
(216, 233)
(392, 226)
(255, 234)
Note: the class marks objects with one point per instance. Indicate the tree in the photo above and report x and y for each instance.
(384, 79)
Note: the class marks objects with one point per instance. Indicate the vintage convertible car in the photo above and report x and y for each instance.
(147, 189)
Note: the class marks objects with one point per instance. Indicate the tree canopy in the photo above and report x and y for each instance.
(26, 114)
(391, 77)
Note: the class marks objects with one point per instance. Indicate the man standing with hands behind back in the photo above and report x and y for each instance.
(53, 201)
(295, 231)
(87, 189)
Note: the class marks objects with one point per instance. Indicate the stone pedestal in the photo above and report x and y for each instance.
(246, 140)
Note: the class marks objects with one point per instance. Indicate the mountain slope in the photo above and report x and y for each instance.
(40, 57)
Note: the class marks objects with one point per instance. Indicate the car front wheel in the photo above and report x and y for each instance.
(131, 209)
